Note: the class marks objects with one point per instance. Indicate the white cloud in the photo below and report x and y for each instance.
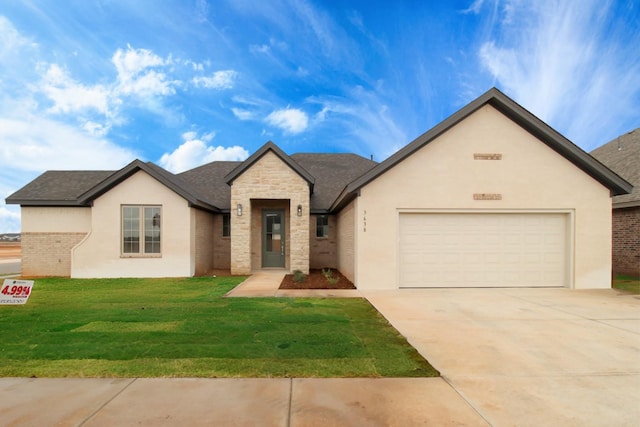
(70, 96)
(219, 80)
(195, 151)
(474, 7)
(242, 114)
(36, 144)
(10, 39)
(366, 120)
(137, 74)
(262, 48)
(290, 120)
(559, 60)
(132, 62)
(9, 219)
(32, 143)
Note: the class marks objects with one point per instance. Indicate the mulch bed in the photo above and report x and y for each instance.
(316, 280)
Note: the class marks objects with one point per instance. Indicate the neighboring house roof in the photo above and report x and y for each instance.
(518, 115)
(270, 146)
(622, 155)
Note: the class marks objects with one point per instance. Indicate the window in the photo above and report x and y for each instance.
(141, 227)
(322, 225)
(226, 225)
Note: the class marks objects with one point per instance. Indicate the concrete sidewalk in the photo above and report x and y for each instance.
(233, 402)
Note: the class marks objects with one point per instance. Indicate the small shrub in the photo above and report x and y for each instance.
(328, 274)
(299, 276)
(333, 280)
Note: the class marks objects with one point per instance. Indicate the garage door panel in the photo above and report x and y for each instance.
(482, 249)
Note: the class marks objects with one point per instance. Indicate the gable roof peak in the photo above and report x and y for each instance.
(516, 113)
(270, 146)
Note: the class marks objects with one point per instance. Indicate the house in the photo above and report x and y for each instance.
(622, 155)
(492, 196)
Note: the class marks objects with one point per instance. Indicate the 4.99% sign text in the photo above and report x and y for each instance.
(15, 291)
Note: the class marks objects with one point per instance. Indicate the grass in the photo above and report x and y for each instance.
(185, 328)
(627, 284)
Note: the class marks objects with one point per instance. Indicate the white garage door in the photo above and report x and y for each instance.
(482, 249)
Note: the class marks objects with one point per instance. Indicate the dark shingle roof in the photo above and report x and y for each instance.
(622, 155)
(58, 188)
(80, 188)
(209, 180)
(332, 172)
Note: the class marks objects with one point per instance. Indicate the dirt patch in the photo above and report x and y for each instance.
(10, 250)
(316, 280)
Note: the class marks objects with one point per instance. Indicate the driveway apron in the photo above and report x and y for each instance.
(528, 357)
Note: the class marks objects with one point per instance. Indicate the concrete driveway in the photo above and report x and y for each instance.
(554, 357)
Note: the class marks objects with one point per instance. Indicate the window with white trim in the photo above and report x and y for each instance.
(141, 230)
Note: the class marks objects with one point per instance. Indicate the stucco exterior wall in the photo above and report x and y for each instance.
(323, 251)
(269, 178)
(444, 175)
(204, 240)
(99, 254)
(346, 233)
(48, 235)
(626, 241)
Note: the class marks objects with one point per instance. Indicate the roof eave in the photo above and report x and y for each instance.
(629, 204)
(523, 118)
(45, 203)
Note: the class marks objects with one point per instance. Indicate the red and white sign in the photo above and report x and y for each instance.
(15, 291)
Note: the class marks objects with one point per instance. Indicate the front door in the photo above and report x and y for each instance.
(273, 238)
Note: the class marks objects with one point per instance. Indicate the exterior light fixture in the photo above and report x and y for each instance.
(239, 209)
(299, 210)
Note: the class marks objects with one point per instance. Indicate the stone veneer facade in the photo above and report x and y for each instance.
(269, 178)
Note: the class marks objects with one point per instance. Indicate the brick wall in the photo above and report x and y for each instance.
(626, 241)
(323, 251)
(48, 254)
(221, 246)
(204, 242)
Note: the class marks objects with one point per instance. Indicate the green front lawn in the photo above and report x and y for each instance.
(627, 284)
(185, 328)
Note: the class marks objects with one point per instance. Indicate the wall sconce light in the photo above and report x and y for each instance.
(299, 210)
(239, 210)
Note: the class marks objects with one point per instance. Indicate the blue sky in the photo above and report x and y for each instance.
(94, 84)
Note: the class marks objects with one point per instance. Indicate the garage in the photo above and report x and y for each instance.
(470, 249)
